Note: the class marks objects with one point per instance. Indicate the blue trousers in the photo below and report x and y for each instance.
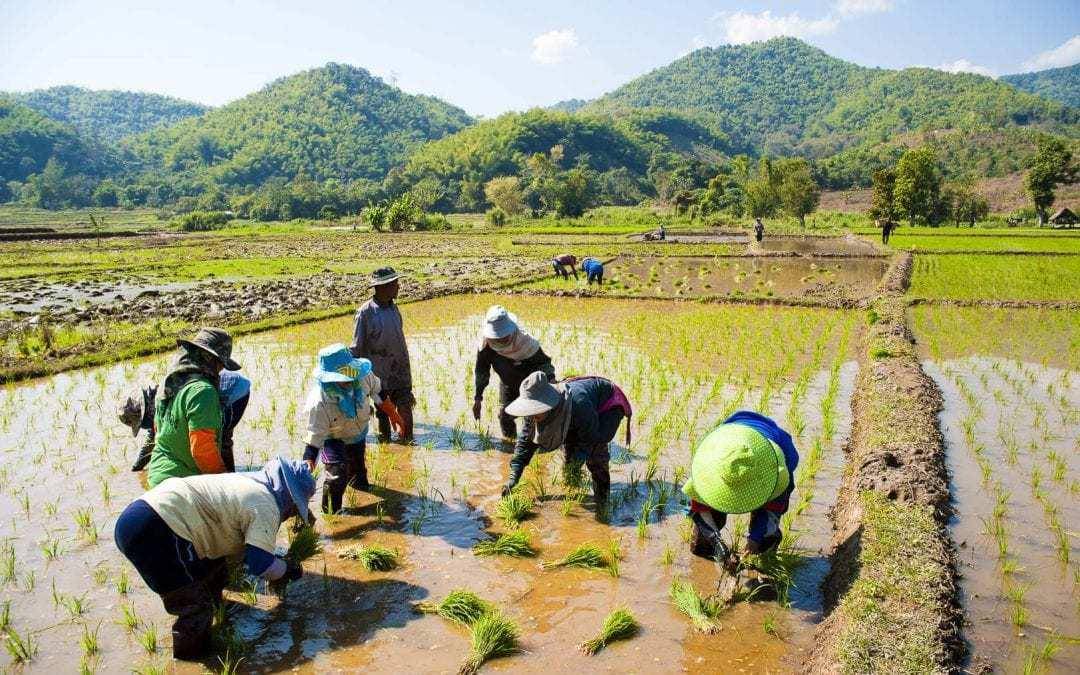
(165, 561)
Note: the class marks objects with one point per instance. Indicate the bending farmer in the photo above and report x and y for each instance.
(178, 535)
(188, 417)
(745, 465)
(379, 336)
(514, 354)
(560, 262)
(594, 271)
(580, 414)
(337, 411)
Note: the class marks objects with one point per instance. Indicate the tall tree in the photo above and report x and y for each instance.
(882, 199)
(799, 193)
(917, 193)
(1051, 166)
(504, 192)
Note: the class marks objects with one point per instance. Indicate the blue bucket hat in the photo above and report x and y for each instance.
(337, 364)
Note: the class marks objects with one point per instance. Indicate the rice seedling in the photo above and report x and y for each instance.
(702, 611)
(517, 544)
(769, 625)
(100, 575)
(7, 562)
(493, 635)
(50, 548)
(668, 556)
(89, 640)
(460, 605)
(303, 543)
(123, 583)
(148, 639)
(619, 625)
(374, 557)
(228, 665)
(514, 508)
(588, 556)
(22, 648)
(128, 618)
(76, 605)
(5, 616)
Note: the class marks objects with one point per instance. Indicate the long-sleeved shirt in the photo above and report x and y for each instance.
(326, 421)
(379, 336)
(587, 394)
(509, 371)
(188, 438)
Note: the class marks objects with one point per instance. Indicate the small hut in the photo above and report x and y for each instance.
(1064, 218)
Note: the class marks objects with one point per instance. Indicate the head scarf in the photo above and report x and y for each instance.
(192, 364)
(347, 395)
(518, 347)
(272, 477)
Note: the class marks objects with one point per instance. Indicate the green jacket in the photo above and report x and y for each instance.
(181, 422)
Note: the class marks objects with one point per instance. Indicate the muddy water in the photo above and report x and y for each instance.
(432, 502)
(811, 246)
(750, 277)
(1024, 421)
(36, 296)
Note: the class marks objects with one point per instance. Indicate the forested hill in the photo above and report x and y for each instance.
(335, 122)
(783, 96)
(1059, 84)
(108, 115)
(28, 140)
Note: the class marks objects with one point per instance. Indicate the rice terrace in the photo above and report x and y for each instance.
(755, 359)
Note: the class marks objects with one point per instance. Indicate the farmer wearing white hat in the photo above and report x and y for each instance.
(179, 534)
(581, 415)
(379, 336)
(745, 465)
(514, 354)
(338, 411)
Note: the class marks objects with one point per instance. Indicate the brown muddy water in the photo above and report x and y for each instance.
(852, 279)
(847, 245)
(66, 452)
(1012, 431)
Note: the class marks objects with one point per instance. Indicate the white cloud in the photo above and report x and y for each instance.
(555, 46)
(1063, 55)
(855, 7)
(742, 27)
(965, 66)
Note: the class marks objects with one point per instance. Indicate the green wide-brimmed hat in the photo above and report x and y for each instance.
(736, 470)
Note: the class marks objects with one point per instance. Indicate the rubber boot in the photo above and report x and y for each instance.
(384, 426)
(601, 481)
(193, 607)
(359, 480)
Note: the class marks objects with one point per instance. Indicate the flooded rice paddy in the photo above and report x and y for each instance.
(66, 479)
(1012, 429)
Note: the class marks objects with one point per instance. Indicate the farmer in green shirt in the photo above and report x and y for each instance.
(188, 415)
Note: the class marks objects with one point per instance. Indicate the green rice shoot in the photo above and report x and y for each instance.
(374, 557)
(589, 556)
(493, 635)
(517, 544)
(460, 606)
(514, 508)
(702, 611)
(304, 544)
(619, 625)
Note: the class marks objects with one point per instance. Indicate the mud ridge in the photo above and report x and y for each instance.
(999, 304)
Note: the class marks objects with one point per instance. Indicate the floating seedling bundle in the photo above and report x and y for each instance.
(460, 606)
(589, 556)
(493, 635)
(374, 557)
(702, 611)
(516, 543)
(514, 508)
(619, 625)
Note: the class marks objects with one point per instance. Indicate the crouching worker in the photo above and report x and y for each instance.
(514, 355)
(338, 412)
(561, 262)
(581, 414)
(137, 412)
(179, 534)
(594, 271)
(745, 465)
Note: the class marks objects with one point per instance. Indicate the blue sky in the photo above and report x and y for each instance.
(490, 57)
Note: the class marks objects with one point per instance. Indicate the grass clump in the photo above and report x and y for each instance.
(374, 557)
(516, 543)
(589, 556)
(619, 625)
(514, 508)
(493, 635)
(702, 611)
(303, 544)
(460, 605)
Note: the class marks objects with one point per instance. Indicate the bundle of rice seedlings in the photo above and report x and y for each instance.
(516, 543)
(702, 611)
(619, 625)
(586, 555)
(514, 508)
(492, 635)
(373, 557)
(460, 605)
(303, 544)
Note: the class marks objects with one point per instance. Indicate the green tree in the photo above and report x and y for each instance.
(1051, 166)
(882, 198)
(965, 204)
(574, 193)
(917, 192)
(761, 198)
(799, 193)
(505, 193)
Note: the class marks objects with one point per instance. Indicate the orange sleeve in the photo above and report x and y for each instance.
(204, 450)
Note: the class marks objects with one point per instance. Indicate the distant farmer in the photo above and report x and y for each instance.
(594, 271)
(379, 336)
(581, 414)
(188, 418)
(337, 409)
(887, 227)
(745, 465)
(514, 355)
(179, 534)
(560, 262)
(759, 229)
(137, 413)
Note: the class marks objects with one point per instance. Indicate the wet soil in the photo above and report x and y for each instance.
(847, 245)
(432, 502)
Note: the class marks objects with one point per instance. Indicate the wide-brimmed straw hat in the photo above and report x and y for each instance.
(499, 323)
(537, 395)
(215, 342)
(383, 275)
(337, 364)
(735, 469)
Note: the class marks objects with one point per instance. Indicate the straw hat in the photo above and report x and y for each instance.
(735, 469)
(537, 395)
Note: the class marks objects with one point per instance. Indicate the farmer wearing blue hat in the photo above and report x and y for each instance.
(513, 354)
(338, 413)
(745, 465)
(179, 534)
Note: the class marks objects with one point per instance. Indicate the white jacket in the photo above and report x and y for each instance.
(325, 419)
